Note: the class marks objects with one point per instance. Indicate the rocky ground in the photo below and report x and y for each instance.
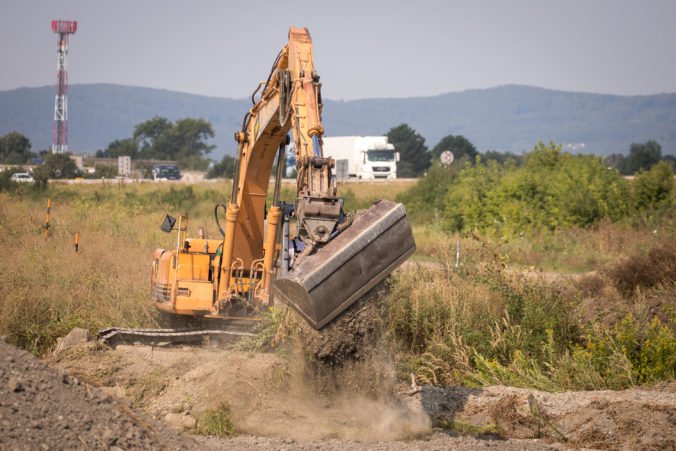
(42, 407)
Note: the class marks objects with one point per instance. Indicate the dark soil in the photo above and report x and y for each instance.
(44, 408)
(349, 355)
(353, 336)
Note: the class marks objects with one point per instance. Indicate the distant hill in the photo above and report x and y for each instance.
(511, 118)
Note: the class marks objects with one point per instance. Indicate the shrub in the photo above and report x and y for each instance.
(217, 422)
(645, 270)
(653, 189)
(479, 324)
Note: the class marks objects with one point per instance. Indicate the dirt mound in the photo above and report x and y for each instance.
(641, 285)
(645, 270)
(629, 419)
(266, 394)
(273, 406)
(43, 408)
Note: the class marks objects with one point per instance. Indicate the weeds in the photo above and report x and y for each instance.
(480, 324)
(275, 326)
(475, 321)
(217, 422)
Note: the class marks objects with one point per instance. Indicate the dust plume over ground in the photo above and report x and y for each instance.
(345, 372)
(337, 384)
(341, 380)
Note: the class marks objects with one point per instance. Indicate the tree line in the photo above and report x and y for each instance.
(186, 141)
(417, 158)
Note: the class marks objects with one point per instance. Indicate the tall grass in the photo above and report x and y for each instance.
(481, 323)
(476, 320)
(48, 289)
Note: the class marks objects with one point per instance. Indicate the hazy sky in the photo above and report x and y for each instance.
(362, 48)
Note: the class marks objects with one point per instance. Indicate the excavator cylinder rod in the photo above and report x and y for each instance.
(323, 285)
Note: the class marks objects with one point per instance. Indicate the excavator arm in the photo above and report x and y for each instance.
(290, 100)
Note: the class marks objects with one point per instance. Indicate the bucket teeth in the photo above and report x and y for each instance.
(323, 285)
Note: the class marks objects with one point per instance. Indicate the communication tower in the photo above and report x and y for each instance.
(63, 28)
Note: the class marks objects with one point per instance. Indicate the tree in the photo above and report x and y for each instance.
(653, 188)
(15, 148)
(226, 168)
(641, 156)
(188, 142)
(149, 134)
(183, 141)
(425, 200)
(502, 157)
(60, 166)
(120, 148)
(614, 160)
(415, 157)
(459, 145)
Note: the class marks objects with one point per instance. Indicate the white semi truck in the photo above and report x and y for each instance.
(362, 157)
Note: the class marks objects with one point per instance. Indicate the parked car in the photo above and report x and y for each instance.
(22, 177)
(166, 172)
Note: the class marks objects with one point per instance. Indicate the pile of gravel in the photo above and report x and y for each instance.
(44, 408)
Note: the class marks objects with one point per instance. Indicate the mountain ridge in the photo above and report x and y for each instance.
(508, 117)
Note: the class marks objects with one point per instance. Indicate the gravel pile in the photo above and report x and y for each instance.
(44, 408)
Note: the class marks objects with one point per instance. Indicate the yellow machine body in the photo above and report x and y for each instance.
(241, 275)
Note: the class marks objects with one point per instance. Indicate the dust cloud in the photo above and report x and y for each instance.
(341, 383)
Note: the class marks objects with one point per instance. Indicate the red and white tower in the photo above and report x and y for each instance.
(63, 28)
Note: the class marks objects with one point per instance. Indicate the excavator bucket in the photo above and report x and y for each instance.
(323, 285)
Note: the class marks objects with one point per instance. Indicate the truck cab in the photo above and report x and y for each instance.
(380, 162)
(363, 157)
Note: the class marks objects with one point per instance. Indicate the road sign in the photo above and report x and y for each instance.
(446, 157)
(124, 166)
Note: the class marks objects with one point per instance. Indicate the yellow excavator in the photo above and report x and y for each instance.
(310, 254)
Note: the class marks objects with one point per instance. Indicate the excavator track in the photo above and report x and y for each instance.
(114, 336)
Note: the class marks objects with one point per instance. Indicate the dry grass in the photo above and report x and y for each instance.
(471, 323)
(644, 271)
(48, 289)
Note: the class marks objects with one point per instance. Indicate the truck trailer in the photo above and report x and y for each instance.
(362, 157)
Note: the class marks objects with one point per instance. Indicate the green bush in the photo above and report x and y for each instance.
(549, 191)
(216, 422)
(425, 199)
(653, 189)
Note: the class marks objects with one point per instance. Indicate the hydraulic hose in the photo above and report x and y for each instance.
(218, 223)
